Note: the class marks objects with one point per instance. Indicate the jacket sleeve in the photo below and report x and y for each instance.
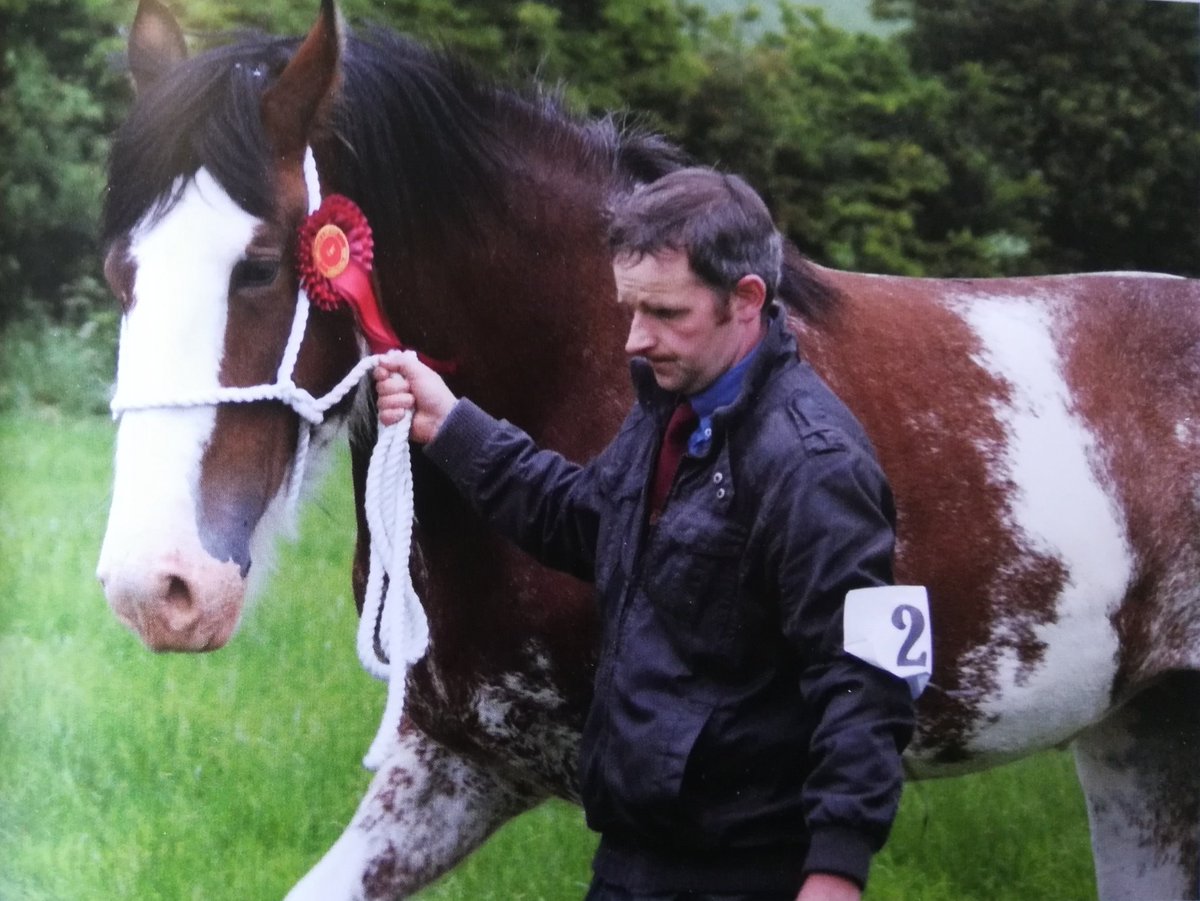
(838, 534)
(540, 500)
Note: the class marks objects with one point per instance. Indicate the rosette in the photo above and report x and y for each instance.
(335, 255)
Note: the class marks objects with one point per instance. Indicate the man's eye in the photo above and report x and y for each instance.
(254, 274)
(664, 312)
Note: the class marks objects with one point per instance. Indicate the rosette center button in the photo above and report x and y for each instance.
(331, 251)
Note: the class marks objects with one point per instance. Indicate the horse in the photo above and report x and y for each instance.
(1042, 436)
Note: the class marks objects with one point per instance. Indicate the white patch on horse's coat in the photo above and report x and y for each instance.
(1061, 507)
(151, 528)
(1185, 432)
(1120, 814)
(425, 809)
(524, 714)
(173, 338)
(172, 344)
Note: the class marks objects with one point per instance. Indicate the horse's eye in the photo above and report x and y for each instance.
(253, 274)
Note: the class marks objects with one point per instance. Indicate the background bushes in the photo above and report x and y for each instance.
(951, 137)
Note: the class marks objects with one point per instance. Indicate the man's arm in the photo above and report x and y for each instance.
(835, 533)
(538, 499)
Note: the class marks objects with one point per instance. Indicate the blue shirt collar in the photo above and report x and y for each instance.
(724, 390)
(721, 393)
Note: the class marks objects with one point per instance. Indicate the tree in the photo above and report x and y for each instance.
(1096, 99)
(847, 144)
(57, 104)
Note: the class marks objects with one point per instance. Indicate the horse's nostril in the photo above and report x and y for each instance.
(179, 611)
(178, 593)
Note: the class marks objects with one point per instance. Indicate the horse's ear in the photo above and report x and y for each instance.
(294, 105)
(156, 44)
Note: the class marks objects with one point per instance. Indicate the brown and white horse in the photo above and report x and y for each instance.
(1042, 436)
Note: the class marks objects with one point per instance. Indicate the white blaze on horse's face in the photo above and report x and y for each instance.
(157, 574)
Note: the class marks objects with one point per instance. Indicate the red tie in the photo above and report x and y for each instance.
(675, 441)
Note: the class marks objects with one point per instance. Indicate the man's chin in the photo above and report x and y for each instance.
(665, 376)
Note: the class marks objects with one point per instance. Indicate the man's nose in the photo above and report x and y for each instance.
(640, 338)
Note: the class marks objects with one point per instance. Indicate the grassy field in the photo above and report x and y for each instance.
(125, 775)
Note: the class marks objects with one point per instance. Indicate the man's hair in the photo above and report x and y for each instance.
(716, 219)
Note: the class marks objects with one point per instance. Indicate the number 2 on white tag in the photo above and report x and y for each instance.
(911, 621)
(889, 627)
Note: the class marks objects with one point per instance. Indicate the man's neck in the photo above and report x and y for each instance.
(726, 387)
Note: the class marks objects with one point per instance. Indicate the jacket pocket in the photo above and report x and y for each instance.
(633, 773)
(694, 577)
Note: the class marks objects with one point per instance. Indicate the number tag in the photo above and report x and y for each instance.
(889, 627)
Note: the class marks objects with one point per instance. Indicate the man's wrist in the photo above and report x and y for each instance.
(461, 431)
(840, 851)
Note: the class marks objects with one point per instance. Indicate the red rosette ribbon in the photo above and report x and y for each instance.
(335, 257)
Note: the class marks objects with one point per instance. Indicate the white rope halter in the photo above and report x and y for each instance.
(391, 609)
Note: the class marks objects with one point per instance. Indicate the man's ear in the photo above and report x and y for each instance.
(749, 296)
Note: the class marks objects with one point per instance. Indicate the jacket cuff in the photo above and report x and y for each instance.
(453, 449)
(841, 852)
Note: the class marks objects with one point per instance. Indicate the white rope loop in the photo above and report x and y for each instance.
(391, 609)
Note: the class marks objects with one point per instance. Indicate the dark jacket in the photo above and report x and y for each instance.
(731, 744)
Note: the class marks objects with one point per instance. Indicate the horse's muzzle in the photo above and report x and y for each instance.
(176, 608)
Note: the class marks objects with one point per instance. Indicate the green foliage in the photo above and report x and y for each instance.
(991, 137)
(62, 364)
(58, 102)
(633, 54)
(844, 140)
(1092, 102)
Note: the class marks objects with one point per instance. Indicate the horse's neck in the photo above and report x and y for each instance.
(526, 311)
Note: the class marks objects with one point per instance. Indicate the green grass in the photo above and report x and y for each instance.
(125, 775)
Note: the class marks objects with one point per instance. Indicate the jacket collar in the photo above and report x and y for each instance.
(777, 348)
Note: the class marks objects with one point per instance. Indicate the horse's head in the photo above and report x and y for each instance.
(206, 192)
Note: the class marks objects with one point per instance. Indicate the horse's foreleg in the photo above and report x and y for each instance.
(1140, 771)
(427, 808)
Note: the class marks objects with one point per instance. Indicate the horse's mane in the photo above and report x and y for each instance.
(204, 113)
(459, 137)
(450, 139)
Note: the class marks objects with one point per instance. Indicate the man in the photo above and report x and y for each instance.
(732, 749)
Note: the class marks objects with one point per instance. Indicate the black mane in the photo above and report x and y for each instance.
(451, 138)
(424, 142)
(204, 113)
(423, 133)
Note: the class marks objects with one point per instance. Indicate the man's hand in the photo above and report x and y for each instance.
(406, 384)
(826, 887)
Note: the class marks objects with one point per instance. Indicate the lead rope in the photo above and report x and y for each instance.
(391, 608)
(393, 632)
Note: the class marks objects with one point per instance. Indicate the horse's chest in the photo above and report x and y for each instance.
(520, 719)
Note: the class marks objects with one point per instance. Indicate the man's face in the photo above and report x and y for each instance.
(677, 324)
